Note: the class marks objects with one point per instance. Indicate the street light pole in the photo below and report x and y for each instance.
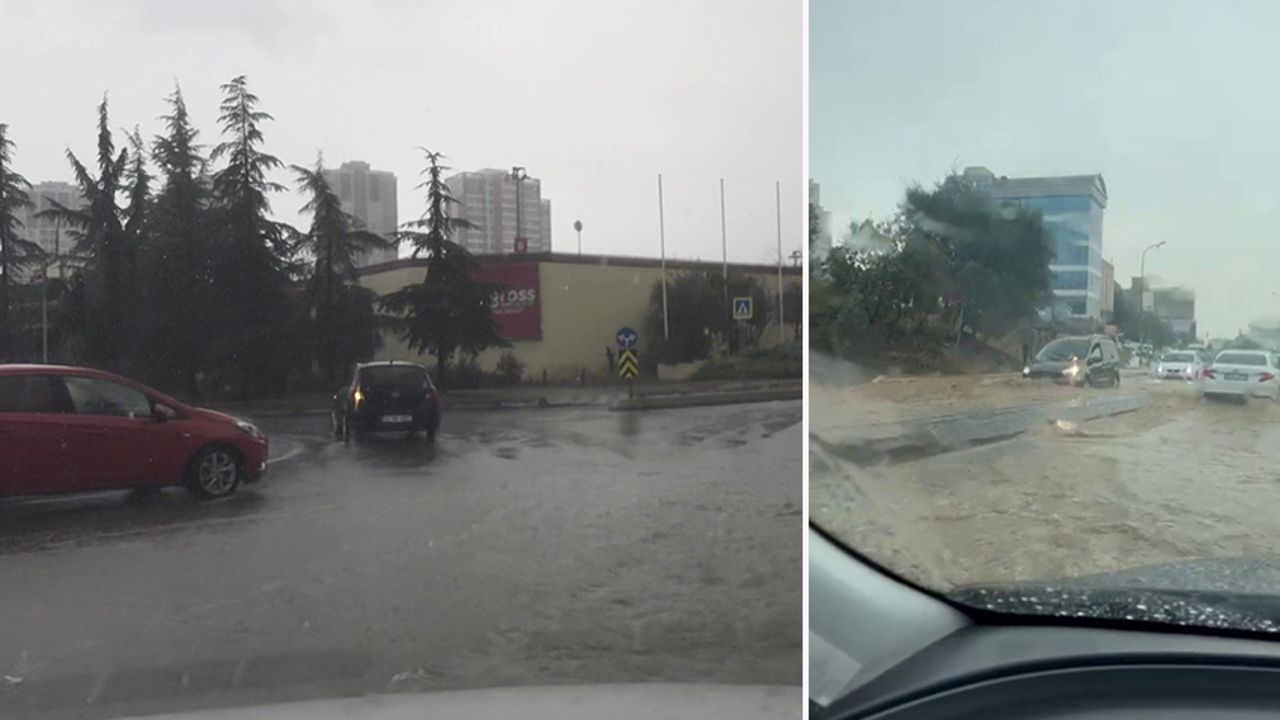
(577, 227)
(518, 174)
(1142, 299)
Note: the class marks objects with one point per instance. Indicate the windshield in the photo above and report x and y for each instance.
(974, 213)
(1237, 358)
(360, 348)
(1064, 349)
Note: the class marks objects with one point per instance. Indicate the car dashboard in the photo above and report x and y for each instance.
(868, 660)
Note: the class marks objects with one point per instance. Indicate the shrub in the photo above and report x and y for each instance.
(510, 370)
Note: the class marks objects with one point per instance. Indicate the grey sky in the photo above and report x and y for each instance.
(593, 98)
(1171, 101)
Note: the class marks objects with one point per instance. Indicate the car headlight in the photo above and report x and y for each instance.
(1071, 371)
(1026, 370)
(249, 429)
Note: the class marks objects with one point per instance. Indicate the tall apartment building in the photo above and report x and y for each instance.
(487, 198)
(1073, 207)
(822, 245)
(369, 195)
(51, 235)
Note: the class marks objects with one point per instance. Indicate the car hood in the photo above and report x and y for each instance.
(564, 702)
(1230, 593)
(207, 414)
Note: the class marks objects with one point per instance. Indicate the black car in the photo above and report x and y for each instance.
(1092, 360)
(386, 396)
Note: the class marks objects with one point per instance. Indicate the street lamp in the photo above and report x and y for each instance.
(1142, 299)
(519, 175)
(577, 227)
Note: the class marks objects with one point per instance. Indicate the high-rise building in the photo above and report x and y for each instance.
(1176, 308)
(51, 235)
(822, 245)
(546, 224)
(1073, 207)
(487, 198)
(369, 195)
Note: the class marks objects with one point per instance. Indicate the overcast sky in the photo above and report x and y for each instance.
(593, 98)
(1174, 103)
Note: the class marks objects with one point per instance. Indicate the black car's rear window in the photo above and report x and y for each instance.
(405, 377)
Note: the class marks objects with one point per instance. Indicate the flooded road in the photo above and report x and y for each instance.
(1179, 479)
(525, 547)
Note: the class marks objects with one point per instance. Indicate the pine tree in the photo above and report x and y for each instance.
(448, 311)
(16, 253)
(252, 269)
(342, 312)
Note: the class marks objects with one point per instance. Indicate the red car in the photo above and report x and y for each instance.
(71, 429)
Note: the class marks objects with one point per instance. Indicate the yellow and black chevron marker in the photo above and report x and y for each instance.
(628, 366)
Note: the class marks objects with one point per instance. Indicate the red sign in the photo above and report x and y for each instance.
(517, 305)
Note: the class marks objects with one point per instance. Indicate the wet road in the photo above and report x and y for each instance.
(525, 547)
(1180, 479)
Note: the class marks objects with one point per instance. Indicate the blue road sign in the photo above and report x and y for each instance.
(627, 338)
(742, 308)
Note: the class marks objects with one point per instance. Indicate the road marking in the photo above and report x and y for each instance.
(294, 451)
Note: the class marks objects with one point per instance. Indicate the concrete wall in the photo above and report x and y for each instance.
(583, 306)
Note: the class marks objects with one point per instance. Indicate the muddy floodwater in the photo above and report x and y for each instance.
(1182, 478)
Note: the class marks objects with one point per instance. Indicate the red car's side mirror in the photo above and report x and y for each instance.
(162, 413)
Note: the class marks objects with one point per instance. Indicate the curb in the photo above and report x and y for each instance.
(658, 402)
(917, 439)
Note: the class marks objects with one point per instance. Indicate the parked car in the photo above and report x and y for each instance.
(386, 396)
(72, 429)
(1179, 365)
(1086, 360)
(1241, 374)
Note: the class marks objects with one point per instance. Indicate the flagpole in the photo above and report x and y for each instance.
(782, 334)
(662, 235)
(724, 245)
(44, 315)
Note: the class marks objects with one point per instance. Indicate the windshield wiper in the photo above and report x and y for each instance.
(1224, 610)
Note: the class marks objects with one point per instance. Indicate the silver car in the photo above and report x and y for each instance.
(1178, 365)
(1241, 374)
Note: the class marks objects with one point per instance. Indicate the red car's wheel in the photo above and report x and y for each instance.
(215, 471)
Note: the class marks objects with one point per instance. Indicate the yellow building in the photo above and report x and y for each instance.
(560, 311)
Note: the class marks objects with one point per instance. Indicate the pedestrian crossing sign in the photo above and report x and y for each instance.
(628, 365)
(743, 308)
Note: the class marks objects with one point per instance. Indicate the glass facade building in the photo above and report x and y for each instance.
(1073, 208)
